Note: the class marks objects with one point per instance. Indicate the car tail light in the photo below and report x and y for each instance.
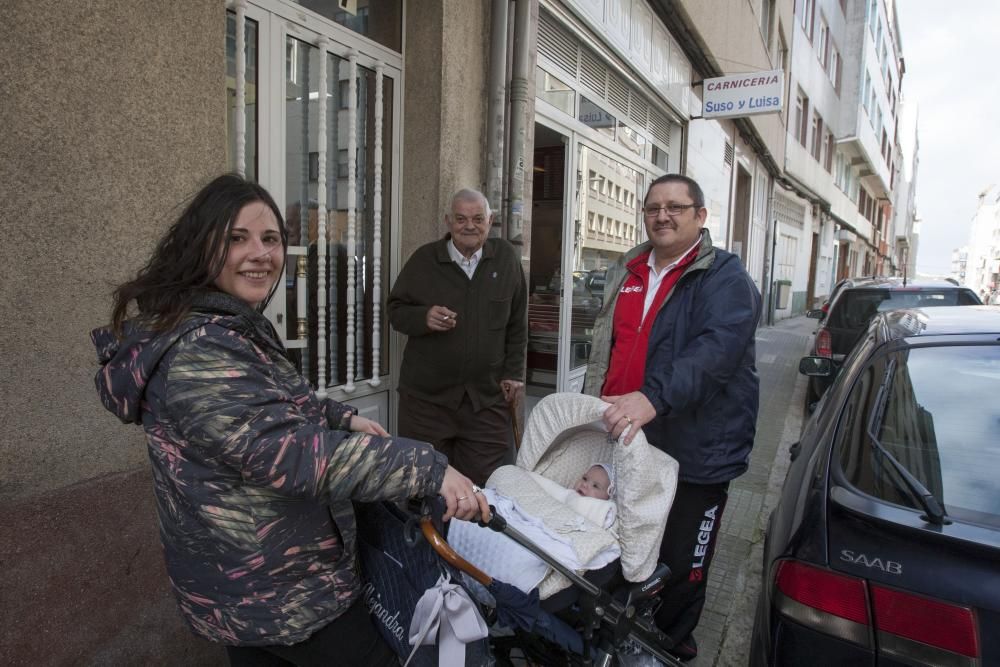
(823, 590)
(911, 627)
(824, 344)
(940, 624)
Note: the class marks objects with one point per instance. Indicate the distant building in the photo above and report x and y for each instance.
(981, 264)
(842, 147)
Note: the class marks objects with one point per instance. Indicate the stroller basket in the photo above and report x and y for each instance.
(400, 567)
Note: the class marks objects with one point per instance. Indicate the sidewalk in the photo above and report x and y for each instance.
(723, 634)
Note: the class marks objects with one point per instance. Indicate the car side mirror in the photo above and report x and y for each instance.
(816, 366)
(816, 314)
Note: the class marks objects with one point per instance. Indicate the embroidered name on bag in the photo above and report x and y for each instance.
(375, 608)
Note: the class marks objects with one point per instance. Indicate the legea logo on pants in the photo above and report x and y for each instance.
(701, 548)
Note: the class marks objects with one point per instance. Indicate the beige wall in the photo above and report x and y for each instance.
(112, 111)
(732, 39)
(110, 116)
(444, 111)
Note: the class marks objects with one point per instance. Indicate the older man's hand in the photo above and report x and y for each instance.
(510, 389)
(630, 411)
(441, 318)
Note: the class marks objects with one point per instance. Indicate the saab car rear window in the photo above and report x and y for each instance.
(857, 306)
(940, 415)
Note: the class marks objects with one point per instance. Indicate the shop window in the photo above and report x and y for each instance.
(596, 117)
(549, 88)
(379, 20)
(631, 139)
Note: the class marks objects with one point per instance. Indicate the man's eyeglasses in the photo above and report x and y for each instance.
(671, 209)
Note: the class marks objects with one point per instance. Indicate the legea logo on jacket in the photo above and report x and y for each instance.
(633, 288)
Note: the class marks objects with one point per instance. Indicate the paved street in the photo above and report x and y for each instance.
(724, 632)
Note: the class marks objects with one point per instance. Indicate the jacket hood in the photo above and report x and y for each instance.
(128, 363)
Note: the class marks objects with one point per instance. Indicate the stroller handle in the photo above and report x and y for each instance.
(441, 546)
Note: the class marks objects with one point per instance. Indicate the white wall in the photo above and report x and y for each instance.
(706, 164)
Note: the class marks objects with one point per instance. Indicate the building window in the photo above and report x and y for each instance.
(766, 14)
(802, 119)
(835, 68)
(808, 9)
(838, 172)
(830, 149)
(823, 44)
(817, 136)
(866, 93)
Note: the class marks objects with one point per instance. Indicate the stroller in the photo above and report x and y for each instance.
(602, 617)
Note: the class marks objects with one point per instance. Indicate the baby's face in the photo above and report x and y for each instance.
(594, 483)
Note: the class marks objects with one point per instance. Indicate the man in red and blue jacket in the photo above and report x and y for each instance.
(674, 356)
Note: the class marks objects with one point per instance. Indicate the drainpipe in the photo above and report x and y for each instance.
(771, 294)
(518, 118)
(497, 105)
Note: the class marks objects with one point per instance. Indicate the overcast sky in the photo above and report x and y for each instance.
(952, 52)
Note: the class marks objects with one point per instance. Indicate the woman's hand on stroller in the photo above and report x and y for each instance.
(464, 499)
(630, 411)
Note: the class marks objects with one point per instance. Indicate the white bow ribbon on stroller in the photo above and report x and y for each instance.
(446, 614)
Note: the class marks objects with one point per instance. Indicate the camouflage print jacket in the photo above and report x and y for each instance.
(254, 475)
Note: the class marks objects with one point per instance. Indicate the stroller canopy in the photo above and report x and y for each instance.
(565, 435)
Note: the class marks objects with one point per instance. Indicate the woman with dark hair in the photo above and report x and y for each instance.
(254, 474)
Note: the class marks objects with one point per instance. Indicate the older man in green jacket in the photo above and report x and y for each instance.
(462, 301)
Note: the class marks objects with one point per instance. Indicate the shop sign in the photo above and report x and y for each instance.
(743, 94)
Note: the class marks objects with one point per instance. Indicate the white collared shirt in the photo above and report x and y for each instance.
(655, 278)
(467, 264)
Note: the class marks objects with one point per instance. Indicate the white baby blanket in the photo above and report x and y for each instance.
(502, 558)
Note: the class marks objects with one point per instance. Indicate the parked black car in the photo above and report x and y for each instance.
(853, 303)
(884, 546)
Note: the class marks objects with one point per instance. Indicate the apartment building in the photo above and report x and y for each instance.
(905, 230)
(842, 153)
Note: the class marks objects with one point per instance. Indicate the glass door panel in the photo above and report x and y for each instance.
(302, 187)
(606, 225)
(545, 280)
(250, 33)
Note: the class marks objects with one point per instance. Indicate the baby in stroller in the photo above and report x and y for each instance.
(588, 497)
(595, 482)
(538, 496)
